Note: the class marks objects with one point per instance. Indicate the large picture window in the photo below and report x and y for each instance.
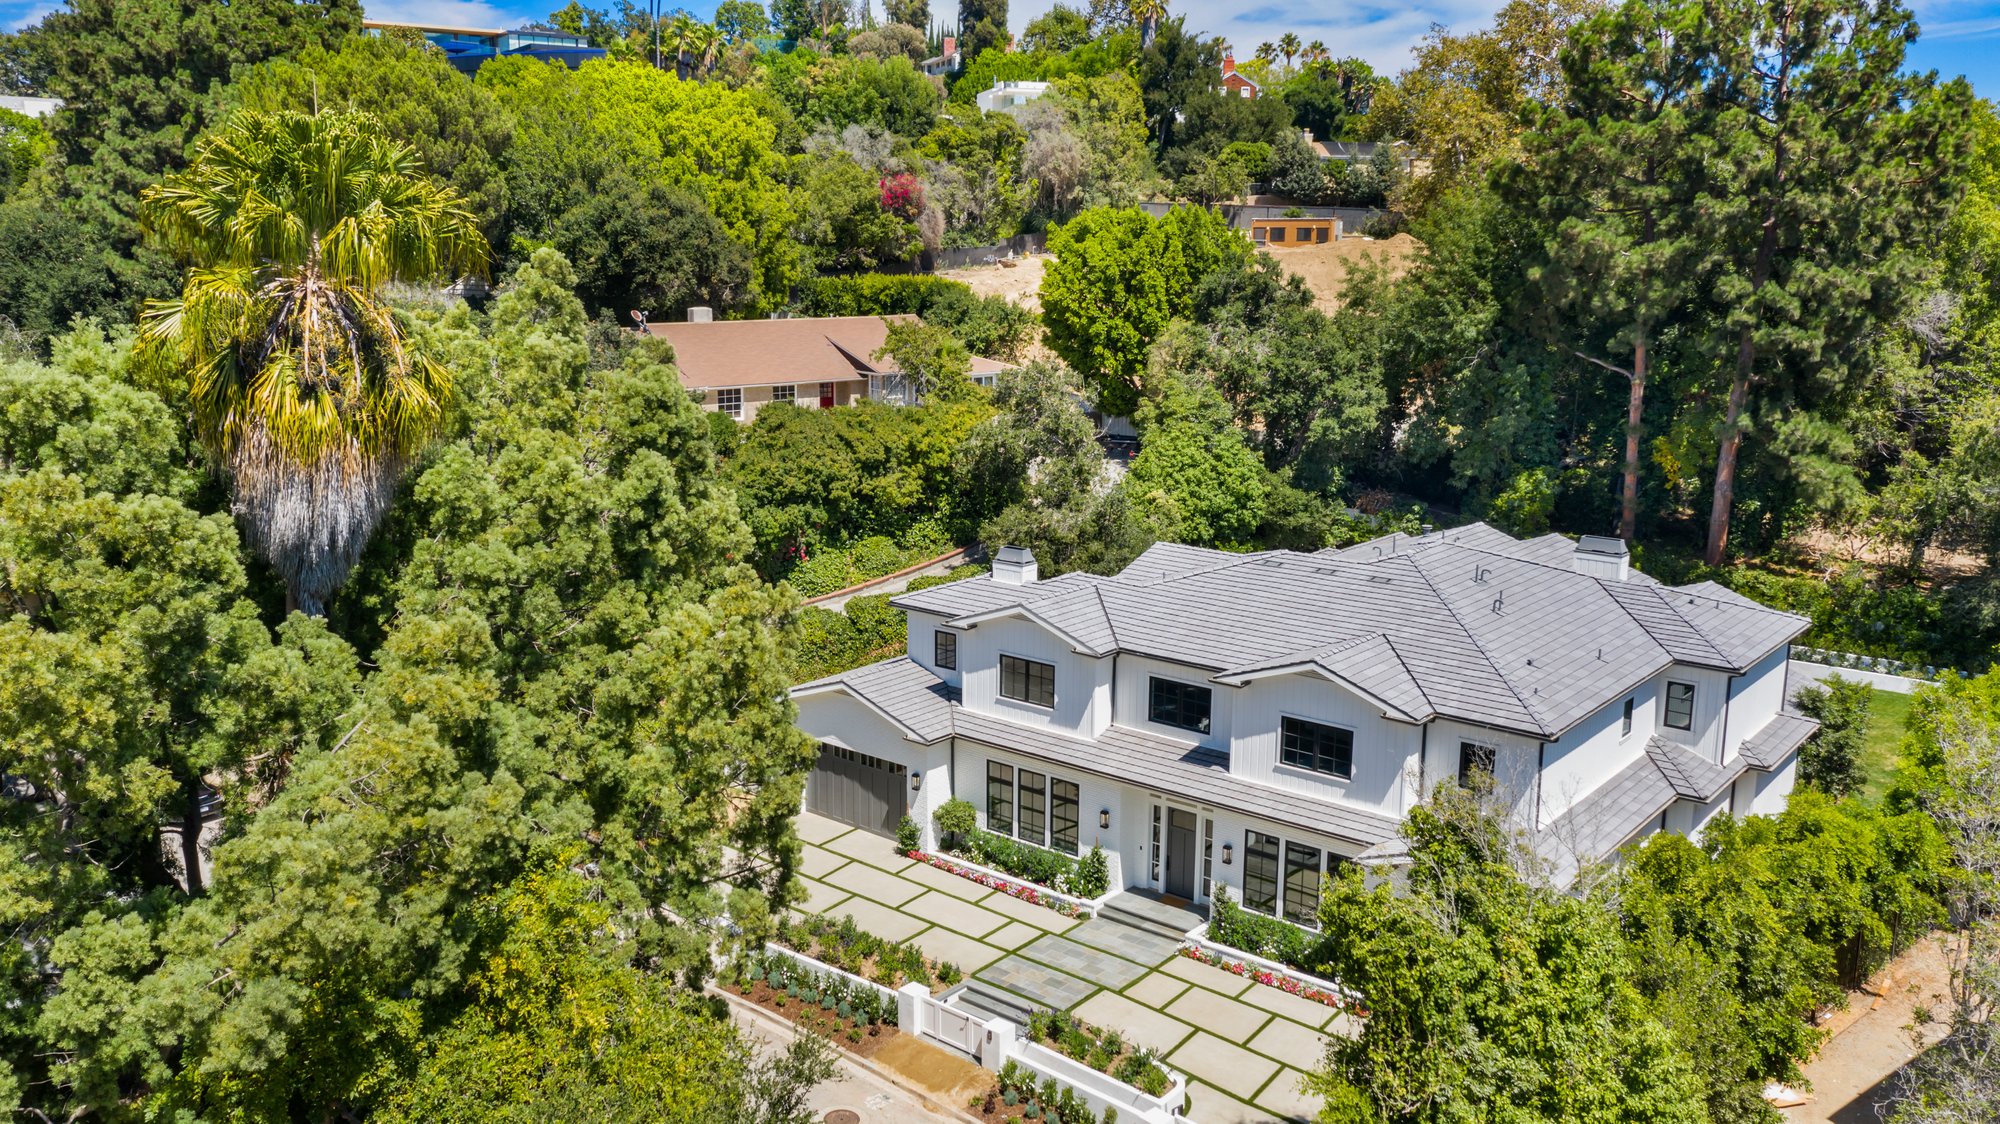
(1260, 872)
(1064, 809)
(1034, 806)
(1182, 705)
(1323, 749)
(1027, 681)
(1302, 882)
(1680, 706)
(999, 798)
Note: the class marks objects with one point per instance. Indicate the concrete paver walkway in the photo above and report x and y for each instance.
(1243, 1046)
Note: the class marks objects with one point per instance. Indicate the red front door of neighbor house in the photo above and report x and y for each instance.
(826, 396)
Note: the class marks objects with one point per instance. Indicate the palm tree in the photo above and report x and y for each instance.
(1288, 46)
(678, 37)
(1148, 14)
(302, 383)
(1266, 52)
(704, 46)
(1315, 51)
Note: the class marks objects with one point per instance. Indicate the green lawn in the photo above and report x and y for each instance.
(1886, 713)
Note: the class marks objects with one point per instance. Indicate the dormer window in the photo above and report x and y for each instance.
(1028, 681)
(1680, 706)
(1182, 705)
(1322, 749)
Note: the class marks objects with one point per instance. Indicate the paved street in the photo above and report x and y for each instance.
(1243, 1046)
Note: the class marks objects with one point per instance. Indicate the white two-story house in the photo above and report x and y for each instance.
(1250, 720)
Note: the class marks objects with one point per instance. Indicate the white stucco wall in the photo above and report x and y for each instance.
(1758, 696)
(1385, 752)
(923, 629)
(1774, 788)
(1083, 683)
(1704, 736)
(1596, 749)
(1131, 701)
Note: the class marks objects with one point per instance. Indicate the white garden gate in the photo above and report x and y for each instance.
(951, 1026)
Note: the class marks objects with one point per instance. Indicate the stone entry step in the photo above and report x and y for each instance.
(989, 1002)
(1151, 913)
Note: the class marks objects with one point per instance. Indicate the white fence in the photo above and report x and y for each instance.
(995, 1042)
(821, 968)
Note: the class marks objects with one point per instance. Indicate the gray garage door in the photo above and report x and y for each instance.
(855, 788)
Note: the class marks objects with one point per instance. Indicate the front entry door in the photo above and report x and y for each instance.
(1180, 853)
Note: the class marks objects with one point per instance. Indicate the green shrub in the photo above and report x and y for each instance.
(878, 294)
(955, 819)
(1092, 876)
(960, 573)
(908, 835)
(1261, 935)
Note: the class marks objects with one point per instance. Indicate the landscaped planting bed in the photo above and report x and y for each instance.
(1265, 938)
(856, 1016)
(1105, 1051)
(844, 945)
(1049, 876)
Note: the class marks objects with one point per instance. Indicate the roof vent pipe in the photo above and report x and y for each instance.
(1014, 565)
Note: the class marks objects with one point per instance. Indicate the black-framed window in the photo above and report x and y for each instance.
(1028, 681)
(1260, 872)
(1064, 812)
(999, 798)
(1627, 727)
(1323, 749)
(1302, 882)
(1680, 706)
(1185, 705)
(944, 649)
(1033, 800)
(1475, 764)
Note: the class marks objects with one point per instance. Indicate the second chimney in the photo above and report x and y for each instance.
(1601, 556)
(1014, 565)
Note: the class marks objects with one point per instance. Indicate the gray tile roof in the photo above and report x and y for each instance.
(911, 698)
(1692, 776)
(1482, 627)
(922, 705)
(1600, 823)
(1767, 748)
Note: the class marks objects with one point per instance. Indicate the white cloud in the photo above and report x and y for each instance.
(14, 17)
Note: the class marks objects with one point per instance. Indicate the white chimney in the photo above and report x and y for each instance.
(1014, 565)
(700, 314)
(1601, 556)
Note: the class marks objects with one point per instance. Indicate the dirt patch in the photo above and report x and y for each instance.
(941, 1073)
(1870, 1041)
(1324, 266)
(1021, 283)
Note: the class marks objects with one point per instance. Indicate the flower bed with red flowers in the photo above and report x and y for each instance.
(1289, 984)
(1027, 892)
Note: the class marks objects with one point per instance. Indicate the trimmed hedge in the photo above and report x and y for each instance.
(878, 294)
(1269, 937)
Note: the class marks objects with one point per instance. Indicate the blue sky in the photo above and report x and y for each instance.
(1960, 36)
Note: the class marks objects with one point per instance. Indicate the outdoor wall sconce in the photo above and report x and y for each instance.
(1228, 849)
(1104, 817)
(916, 781)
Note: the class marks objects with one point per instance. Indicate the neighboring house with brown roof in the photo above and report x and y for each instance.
(1257, 720)
(739, 366)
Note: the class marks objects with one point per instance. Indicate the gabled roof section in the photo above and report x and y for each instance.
(901, 691)
(1692, 776)
(726, 353)
(1468, 623)
(1368, 665)
(1780, 738)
